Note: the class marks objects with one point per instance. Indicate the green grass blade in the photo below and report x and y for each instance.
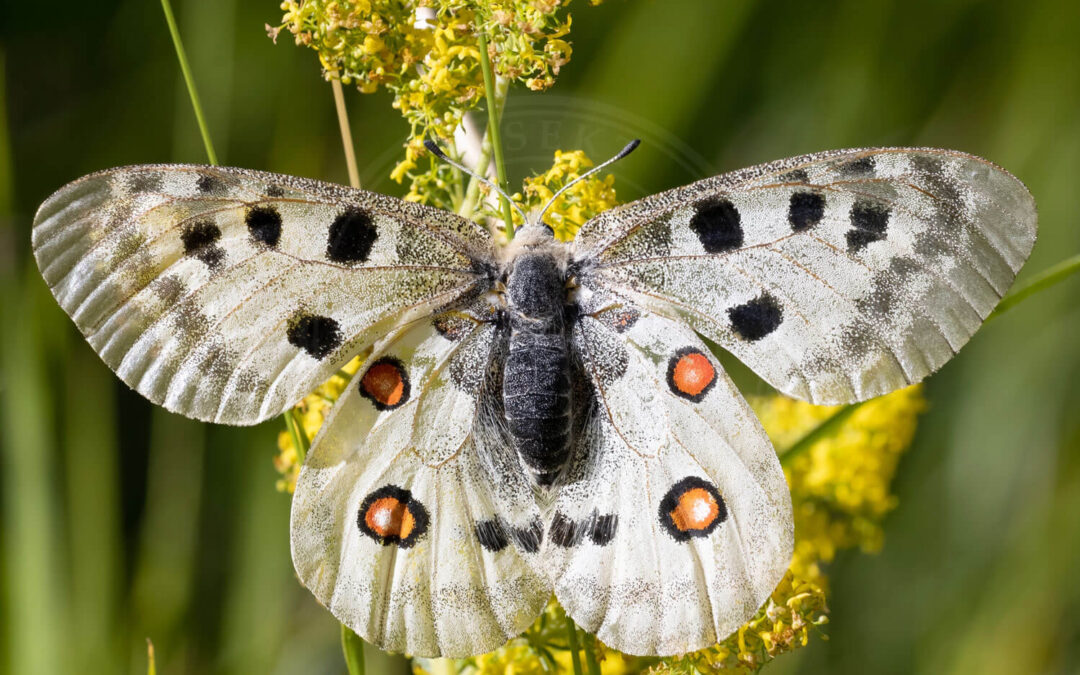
(189, 80)
(1042, 281)
(352, 645)
(572, 643)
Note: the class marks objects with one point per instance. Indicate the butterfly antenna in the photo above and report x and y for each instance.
(630, 147)
(434, 149)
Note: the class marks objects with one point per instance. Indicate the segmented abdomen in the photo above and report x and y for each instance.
(536, 379)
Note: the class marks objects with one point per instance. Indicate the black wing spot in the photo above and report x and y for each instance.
(316, 335)
(860, 168)
(528, 539)
(602, 528)
(264, 223)
(794, 176)
(717, 224)
(564, 532)
(275, 191)
(207, 185)
(491, 535)
(805, 210)
(869, 221)
(757, 318)
(352, 234)
(200, 240)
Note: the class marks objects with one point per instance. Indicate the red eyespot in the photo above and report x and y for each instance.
(692, 507)
(386, 384)
(690, 374)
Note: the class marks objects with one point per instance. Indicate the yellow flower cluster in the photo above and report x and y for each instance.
(588, 198)
(795, 609)
(311, 413)
(840, 483)
(427, 53)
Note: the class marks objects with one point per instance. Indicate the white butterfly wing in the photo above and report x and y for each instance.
(838, 276)
(674, 522)
(405, 524)
(227, 295)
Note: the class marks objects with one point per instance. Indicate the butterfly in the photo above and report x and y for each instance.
(542, 417)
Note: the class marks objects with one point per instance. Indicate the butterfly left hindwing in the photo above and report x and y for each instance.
(399, 524)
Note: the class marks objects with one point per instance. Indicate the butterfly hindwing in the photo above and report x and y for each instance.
(673, 523)
(226, 294)
(836, 277)
(403, 523)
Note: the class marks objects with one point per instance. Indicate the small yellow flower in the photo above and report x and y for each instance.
(574, 207)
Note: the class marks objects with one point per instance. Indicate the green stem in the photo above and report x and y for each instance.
(189, 80)
(590, 655)
(820, 431)
(572, 643)
(352, 645)
(1041, 282)
(472, 193)
(299, 438)
(493, 127)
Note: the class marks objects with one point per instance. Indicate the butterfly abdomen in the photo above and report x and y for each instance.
(536, 379)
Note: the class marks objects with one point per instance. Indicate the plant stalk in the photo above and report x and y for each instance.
(346, 132)
(189, 81)
(493, 129)
(1041, 282)
(572, 643)
(299, 438)
(352, 646)
(828, 426)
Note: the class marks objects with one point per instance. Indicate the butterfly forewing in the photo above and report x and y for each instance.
(226, 294)
(836, 277)
(673, 524)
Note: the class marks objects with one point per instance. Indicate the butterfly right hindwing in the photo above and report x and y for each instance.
(673, 523)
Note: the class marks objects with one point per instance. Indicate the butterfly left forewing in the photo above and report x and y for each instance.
(460, 574)
(837, 276)
(673, 523)
(226, 294)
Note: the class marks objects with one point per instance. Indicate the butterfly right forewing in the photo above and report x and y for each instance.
(837, 276)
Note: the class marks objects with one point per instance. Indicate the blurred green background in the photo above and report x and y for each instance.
(122, 522)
